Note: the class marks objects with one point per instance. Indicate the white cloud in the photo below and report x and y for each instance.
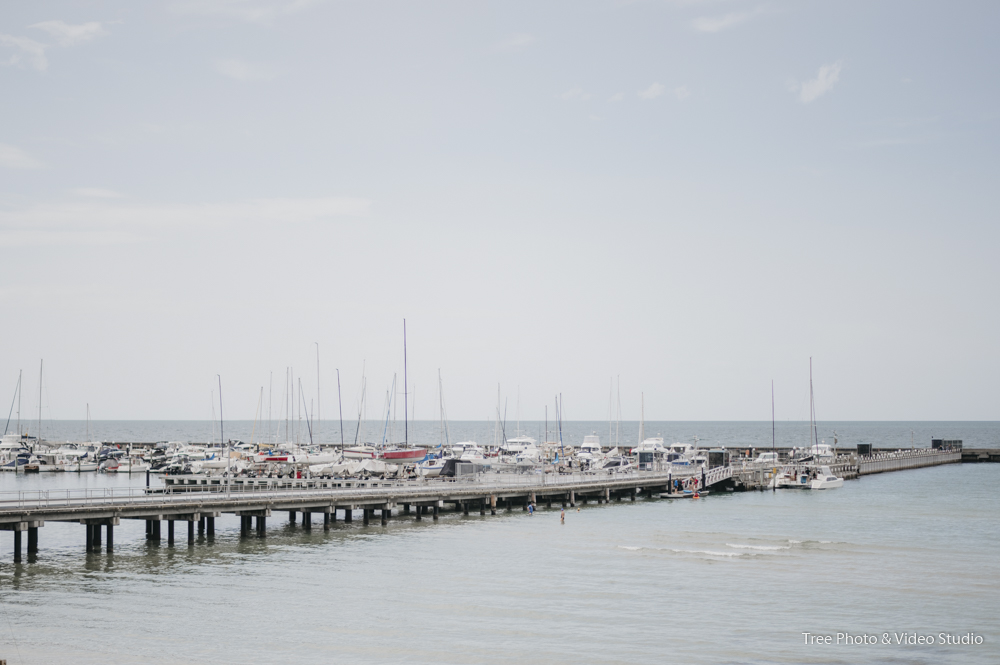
(575, 95)
(720, 23)
(15, 158)
(245, 71)
(70, 35)
(653, 91)
(107, 221)
(813, 89)
(96, 193)
(617, 97)
(253, 11)
(27, 49)
(681, 92)
(517, 42)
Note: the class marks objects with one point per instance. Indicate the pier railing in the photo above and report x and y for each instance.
(309, 488)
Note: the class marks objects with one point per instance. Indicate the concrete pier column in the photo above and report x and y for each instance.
(190, 524)
(607, 494)
(435, 512)
(572, 498)
(17, 546)
(291, 516)
(524, 507)
(631, 495)
(482, 506)
(365, 519)
(548, 501)
(262, 526)
(307, 520)
(210, 526)
(465, 507)
(565, 499)
(97, 537)
(149, 530)
(420, 513)
(111, 538)
(201, 526)
(348, 515)
(385, 517)
(170, 533)
(326, 521)
(156, 530)
(90, 537)
(244, 527)
(32, 539)
(406, 509)
(531, 498)
(493, 504)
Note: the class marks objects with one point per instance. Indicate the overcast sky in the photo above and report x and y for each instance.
(693, 196)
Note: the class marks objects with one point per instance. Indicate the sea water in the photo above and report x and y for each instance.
(729, 578)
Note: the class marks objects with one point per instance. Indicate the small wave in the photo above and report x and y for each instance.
(795, 542)
(630, 548)
(767, 548)
(710, 552)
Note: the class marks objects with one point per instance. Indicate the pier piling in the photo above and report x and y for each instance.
(170, 533)
(210, 527)
(348, 514)
(366, 516)
(156, 530)
(385, 517)
(482, 506)
(32, 540)
(291, 517)
(261, 526)
(326, 521)
(307, 520)
(435, 512)
(191, 532)
(201, 526)
(111, 538)
(244, 528)
(493, 504)
(17, 547)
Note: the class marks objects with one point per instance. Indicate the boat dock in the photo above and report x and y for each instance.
(102, 510)
(197, 500)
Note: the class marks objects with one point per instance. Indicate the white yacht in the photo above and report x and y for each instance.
(825, 480)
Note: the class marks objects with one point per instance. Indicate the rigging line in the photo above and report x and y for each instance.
(13, 399)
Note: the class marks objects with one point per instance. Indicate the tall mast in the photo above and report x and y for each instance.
(618, 423)
(88, 422)
(38, 435)
(319, 407)
(441, 407)
(406, 426)
(270, 389)
(340, 405)
(812, 406)
(611, 395)
(19, 433)
(642, 417)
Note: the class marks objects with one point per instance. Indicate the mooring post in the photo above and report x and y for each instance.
(435, 512)
(17, 546)
(111, 537)
(170, 533)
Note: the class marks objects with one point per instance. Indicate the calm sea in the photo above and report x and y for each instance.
(731, 578)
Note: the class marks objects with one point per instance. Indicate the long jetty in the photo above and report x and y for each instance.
(101, 510)
(196, 501)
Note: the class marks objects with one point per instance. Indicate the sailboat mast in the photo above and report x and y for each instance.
(812, 406)
(318, 404)
(88, 422)
(642, 417)
(19, 433)
(38, 435)
(406, 426)
(340, 406)
(618, 424)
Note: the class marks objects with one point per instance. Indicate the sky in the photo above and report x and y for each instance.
(684, 200)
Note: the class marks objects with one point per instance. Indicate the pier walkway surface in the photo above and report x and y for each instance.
(29, 510)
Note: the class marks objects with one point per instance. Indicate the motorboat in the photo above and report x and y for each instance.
(467, 451)
(590, 449)
(825, 480)
(518, 444)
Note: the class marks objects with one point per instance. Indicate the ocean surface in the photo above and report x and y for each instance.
(730, 578)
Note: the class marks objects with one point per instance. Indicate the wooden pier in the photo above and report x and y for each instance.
(253, 504)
